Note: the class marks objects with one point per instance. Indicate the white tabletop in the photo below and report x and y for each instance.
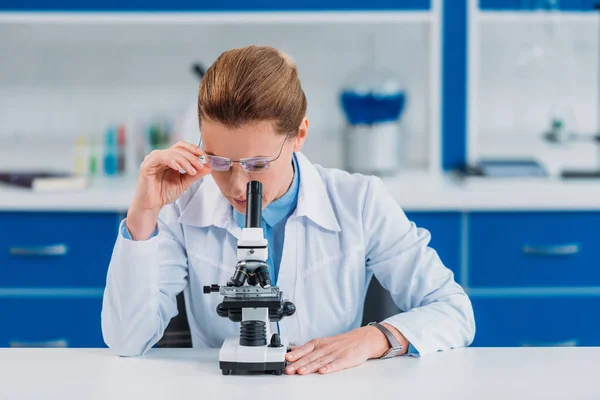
(173, 374)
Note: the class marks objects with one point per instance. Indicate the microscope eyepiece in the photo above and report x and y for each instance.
(254, 204)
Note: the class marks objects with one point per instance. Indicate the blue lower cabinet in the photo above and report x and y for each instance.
(534, 249)
(56, 249)
(445, 229)
(51, 322)
(537, 321)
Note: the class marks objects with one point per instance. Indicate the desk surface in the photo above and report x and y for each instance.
(471, 373)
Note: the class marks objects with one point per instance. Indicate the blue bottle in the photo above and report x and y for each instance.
(110, 149)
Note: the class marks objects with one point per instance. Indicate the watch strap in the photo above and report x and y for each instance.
(396, 346)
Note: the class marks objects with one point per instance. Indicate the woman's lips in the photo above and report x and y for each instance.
(240, 202)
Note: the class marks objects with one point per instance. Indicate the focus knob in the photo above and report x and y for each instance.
(221, 312)
(289, 309)
(275, 341)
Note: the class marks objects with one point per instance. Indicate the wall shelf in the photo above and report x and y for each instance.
(302, 17)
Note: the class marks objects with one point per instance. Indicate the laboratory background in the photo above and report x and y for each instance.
(480, 117)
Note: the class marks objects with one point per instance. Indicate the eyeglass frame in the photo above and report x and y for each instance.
(204, 158)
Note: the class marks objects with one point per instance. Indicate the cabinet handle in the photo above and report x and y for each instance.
(565, 343)
(40, 251)
(553, 250)
(46, 343)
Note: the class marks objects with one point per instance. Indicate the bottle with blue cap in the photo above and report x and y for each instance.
(373, 101)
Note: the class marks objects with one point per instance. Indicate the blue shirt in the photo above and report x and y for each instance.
(274, 217)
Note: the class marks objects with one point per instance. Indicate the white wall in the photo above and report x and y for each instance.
(64, 80)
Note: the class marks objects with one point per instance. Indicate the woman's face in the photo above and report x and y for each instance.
(257, 139)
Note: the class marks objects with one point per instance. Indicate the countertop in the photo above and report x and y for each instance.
(414, 191)
(469, 373)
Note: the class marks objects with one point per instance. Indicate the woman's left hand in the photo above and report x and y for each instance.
(340, 352)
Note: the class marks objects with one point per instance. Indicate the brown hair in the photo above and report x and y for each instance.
(252, 84)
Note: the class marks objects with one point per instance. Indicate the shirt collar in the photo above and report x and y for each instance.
(208, 207)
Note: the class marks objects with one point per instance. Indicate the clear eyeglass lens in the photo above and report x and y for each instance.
(256, 164)
(218, 164)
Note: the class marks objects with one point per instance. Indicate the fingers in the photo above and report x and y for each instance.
(185, 165)
(182, 157)
(318, 363)
(300, 351)
(192, 148)
(191, 158)
(337, 364)
(303, 356)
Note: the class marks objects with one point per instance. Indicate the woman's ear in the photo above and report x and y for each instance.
(301, 137)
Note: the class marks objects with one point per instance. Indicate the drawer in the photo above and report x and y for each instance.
(534, 249)
(51, 322)
(56, 249)
(445, 229)
(537, 321)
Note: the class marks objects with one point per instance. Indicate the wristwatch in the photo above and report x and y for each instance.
(396, 346)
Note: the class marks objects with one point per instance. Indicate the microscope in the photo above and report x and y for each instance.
(249, 298)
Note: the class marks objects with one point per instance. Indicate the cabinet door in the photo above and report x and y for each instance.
(534, 249)
(225, 5)
(51, 322)
(56, 249)
(445, 230)
(537, 321)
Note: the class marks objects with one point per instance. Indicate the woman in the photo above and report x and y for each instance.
(329, 232)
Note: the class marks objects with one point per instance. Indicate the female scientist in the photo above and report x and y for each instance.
(329, 232)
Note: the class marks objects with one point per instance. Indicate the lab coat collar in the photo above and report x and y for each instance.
(313, 199)
(208, 207)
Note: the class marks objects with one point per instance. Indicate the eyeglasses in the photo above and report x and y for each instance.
(254, 164)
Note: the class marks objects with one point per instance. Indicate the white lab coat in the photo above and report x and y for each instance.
(345, 229)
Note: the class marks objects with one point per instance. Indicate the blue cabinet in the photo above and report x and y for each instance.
(527, 271)
(195, 5)
(537, 321)
(51, 322)
(543, 249)
(445, 229)
(52, 276)
(55, 249)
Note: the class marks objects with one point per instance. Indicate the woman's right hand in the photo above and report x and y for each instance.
(160, 182)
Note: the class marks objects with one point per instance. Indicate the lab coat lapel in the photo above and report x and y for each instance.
(315, 205)
(208, 207)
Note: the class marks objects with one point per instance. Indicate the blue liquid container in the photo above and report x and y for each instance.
(371, 108)
(110, 156)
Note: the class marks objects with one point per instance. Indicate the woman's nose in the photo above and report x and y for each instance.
(238, 180)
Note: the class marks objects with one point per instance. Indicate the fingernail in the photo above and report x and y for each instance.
(290, 369)
(303, 369)
(323, 369)
(192, 170)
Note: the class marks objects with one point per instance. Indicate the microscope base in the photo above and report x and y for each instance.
(236, 358)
